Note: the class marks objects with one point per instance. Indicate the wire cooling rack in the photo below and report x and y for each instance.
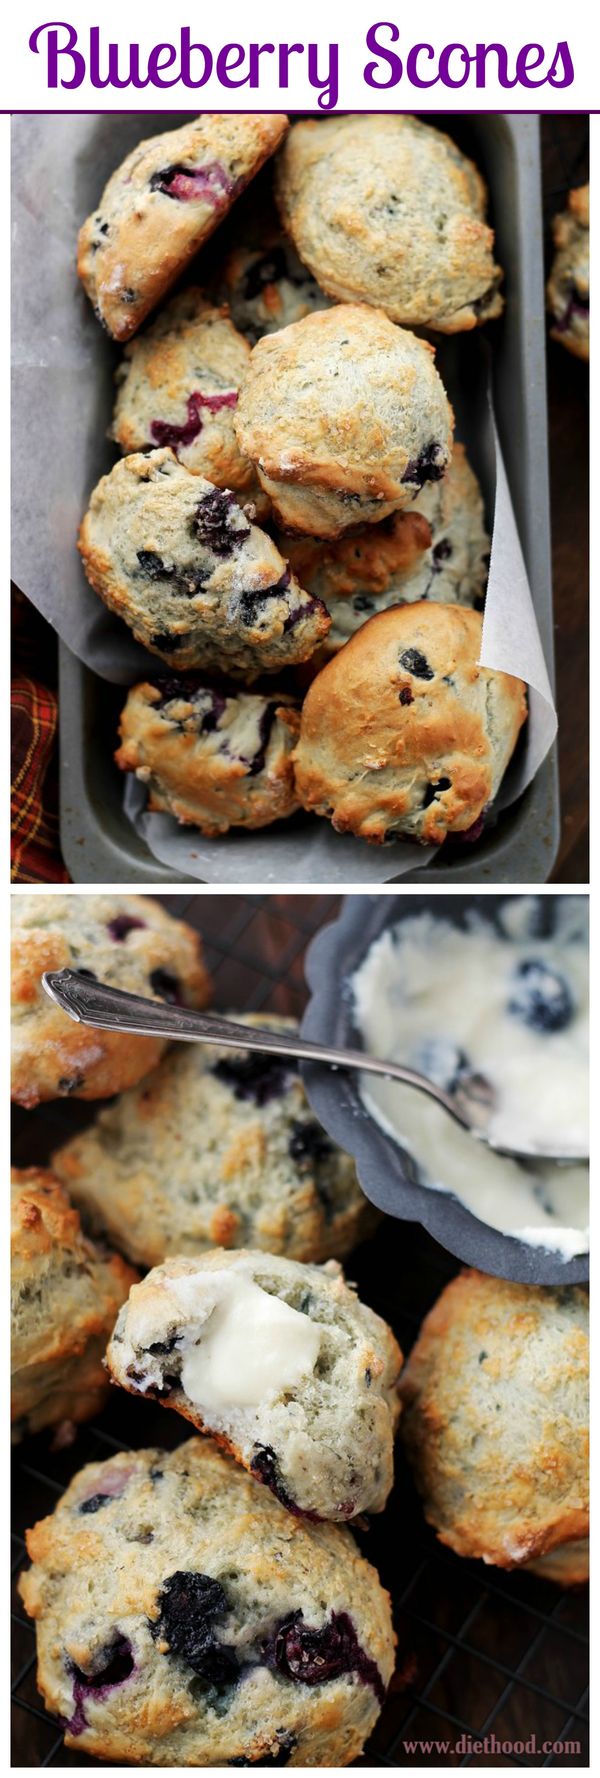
(481, 1653)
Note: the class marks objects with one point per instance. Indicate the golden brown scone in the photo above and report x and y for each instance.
(214, 760)
(384, 209)
(162, 204)
(568, 288)
(402, 733)
(495, 1421)
(178, 385)
(217, 1149)
(184, 1618)
(126, 940)
(345, 417)
(65, 1295)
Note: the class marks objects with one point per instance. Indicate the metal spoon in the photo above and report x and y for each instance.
(110, 1009)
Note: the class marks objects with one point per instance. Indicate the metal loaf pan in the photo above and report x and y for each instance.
(98, 842)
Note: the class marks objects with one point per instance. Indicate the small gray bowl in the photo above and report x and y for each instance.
(388, 1175)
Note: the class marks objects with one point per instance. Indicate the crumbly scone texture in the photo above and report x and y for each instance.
(345, 417)
(183, 1617)
(322, 1443)
(384, 209)
(402, 733)
(65, 1295)
(218, 1148)
(437, 549)
(267, 287)
(568, 288)
(495, 1420)
(178, 385)
(161, 204)
(213, 760)
(195, 580)
(127, 941)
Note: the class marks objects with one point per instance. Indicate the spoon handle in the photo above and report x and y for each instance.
(110, 1009)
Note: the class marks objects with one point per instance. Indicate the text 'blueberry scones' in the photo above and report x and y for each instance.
(267, 287)
(345, 417)
(127, 941)
(200, 585)
(402, 733)
(65, 1293)
(495, 1423)
(211, 758)
(178, 385)
(162, 203)
(184, 1618)
(437, 549)
(568, 290)
(218, 1148)
(280, 1362)
(384, 209)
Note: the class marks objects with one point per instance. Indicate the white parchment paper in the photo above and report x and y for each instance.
(63, 368)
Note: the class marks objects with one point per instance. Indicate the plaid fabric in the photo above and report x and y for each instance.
(35, 849)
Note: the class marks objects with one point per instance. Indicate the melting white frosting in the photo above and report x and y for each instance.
(428, 981)
(252, 1345)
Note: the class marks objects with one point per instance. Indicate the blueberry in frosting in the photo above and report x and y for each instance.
(280, 1362)
(159, 207)
(213, 760)
(196, 581)
(193, 1622)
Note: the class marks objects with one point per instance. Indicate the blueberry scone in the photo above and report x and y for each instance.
(495, 1423)
(403, 734)
(438, 549)
(267, 288)
(218, 1148)
(127, 941)
(160, 206)
(212, 759)
(384, 209)
(278, 1361)
(178, 385)
(65, 1294)
(568, 290)
(183, 1618)
(345, 417)
(198, 584)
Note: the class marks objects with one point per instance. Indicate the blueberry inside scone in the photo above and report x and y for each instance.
(219, 1148)
(267, 287)
(212, 759)
(278, 1360)
(568, 290)
(159, 207)
(200, 585)
(184, 1618)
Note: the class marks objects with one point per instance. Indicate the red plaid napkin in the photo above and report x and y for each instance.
(35, 848)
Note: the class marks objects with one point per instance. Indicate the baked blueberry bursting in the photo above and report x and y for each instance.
(414, 662)
(441, 553)
(153, 566)
(312, 1657)
(308, 1145)
(575, 306)
(254, 1077)
(265, 726)
(405, 696)
(163, 432)
(122, 925)
(213, 523)
(94, 1503)
(428, 467)
(112, 1667)
(434, 790)
(191, 1605)
(68, 1083)
(265, 1467)
(208, 705)
(266, 270)
(362, 602)
(540, 997)
(167, 986)
(210, 184)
